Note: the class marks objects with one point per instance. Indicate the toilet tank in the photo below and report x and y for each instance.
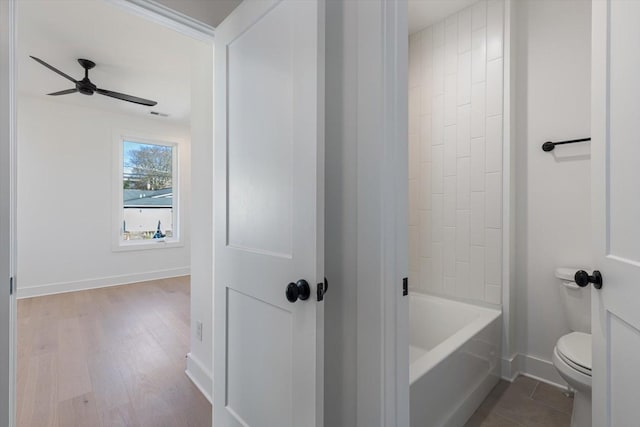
(576, 300)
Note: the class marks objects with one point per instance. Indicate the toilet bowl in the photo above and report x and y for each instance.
(572, 353)
(572, 360)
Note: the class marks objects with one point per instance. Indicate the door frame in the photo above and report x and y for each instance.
(8, 126)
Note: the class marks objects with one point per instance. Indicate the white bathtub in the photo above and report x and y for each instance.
(455, 355)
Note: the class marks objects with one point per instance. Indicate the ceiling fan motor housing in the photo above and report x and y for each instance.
(85, 86)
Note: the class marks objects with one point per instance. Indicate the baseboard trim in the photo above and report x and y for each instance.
(100, 282)
(533, 367)
(200, 376)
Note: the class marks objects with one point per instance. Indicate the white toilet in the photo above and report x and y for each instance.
(572, 354)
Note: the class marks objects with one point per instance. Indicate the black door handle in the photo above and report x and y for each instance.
(298, 290)
(582, 279)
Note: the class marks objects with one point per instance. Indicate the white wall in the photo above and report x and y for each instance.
(552, 55)
(455, 155)
(200, 357)
(65, 180)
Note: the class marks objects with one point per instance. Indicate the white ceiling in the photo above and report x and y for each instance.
(424, 13)
(133, 56)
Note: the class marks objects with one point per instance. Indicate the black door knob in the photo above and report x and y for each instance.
(582, 279)
(298, 290)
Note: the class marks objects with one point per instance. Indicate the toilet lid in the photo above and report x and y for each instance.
(576, 348)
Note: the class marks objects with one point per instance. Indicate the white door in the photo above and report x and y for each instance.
(269, 215)
(616, 212)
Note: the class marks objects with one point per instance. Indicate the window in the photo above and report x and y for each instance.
(147, 193)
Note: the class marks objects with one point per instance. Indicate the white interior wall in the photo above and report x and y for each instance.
(455, 155)
(200, 357)
(552, 102)
(65, 180)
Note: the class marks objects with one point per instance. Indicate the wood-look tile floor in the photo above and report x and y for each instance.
(525, 402)
(108, 357)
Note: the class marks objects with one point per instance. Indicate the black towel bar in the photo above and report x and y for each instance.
(549, 146)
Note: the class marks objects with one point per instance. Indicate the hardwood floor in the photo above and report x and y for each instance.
(108, 357)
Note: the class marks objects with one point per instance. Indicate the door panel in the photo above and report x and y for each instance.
(267, 402)
(260, 91)
(615, 211)
(624, 346)
(269, 214)
(624, 94)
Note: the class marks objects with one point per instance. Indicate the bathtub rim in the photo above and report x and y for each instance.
(486, 316)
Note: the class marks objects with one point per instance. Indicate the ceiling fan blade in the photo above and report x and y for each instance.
(55, 70)
(63, 92)
(126, 97)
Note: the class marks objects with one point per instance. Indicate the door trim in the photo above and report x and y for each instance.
(8, 129)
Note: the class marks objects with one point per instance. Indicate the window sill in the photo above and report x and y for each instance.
(146, 245)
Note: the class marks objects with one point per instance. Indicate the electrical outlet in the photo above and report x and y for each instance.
(199, 330)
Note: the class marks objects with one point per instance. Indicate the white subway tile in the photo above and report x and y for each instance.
(493, 144)
(477, 272)
(493, 294)
(438, 34)
(495, 22)
(478, 55)
(425, 138)
(450, 100)
(464, 282)
(427, 92)
(450, 45)
(463, 190)
(450, 150)
(437, 169)
(437, 121)
(463, 125)
(449, 201)
(493, 254)
(434, 283)
(437, 225)
(425, 234)
(414, 156)
(415, 60)
(413, 202)
(414, 280)
(477, 128)
(427, 47)
(438, 70)
(493, 200)
(425, 269)
(464, 30)
(477, 167)
(414, 254)
(479, 15)
(477, 219)
(464, 78)
(462, 236)
(424, 187)
(494, 87)
(449, 286)
(414, 114)
(449, 252)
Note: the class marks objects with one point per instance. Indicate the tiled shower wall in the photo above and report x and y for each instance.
(455, 155)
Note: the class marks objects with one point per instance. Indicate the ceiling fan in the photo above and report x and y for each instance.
(85, 86)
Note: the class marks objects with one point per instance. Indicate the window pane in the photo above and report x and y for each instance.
(147, 183)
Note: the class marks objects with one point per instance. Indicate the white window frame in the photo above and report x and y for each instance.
(118, 244)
